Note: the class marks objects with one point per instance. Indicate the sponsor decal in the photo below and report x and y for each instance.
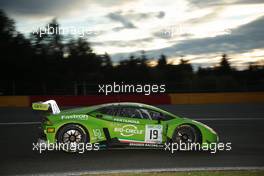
(97, 133)
(39, 106)
(128, 130)
(146, 145)
(77, 117)
(126, 121)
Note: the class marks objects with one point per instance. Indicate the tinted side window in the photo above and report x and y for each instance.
(112, 111)
(145, 113)
(129, 112)
(155, 115)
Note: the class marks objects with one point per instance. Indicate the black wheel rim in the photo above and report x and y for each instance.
(185, 136)
(72, 136)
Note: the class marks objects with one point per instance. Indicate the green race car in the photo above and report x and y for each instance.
(121, 125)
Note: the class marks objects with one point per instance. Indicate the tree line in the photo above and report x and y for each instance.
(57, 61)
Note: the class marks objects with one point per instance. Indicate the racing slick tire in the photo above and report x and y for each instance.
(72, 136)
(187, 134)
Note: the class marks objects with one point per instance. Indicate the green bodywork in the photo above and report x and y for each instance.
(125, 129)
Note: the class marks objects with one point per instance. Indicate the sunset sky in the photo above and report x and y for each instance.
(200, 31)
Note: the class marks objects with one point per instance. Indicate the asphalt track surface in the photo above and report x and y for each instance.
(241, 124)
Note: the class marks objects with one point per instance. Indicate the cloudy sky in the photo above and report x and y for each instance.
(198, 30)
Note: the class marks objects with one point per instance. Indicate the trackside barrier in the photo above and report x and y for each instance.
(14, 101)
(176, 98)
(93, 99)
(209, 98)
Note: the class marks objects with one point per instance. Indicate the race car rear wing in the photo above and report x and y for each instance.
(44, 106)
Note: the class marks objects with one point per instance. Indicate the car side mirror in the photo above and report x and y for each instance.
(159, 120)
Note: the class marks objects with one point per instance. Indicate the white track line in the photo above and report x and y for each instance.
(20, 123)
(155, 170)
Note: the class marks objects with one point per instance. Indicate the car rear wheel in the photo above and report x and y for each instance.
(71, 137)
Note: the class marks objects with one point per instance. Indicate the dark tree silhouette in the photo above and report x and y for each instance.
(224, 67)
(51, 64)
(7, 28)
(162, 62)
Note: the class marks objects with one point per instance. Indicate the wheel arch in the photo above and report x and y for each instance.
(197, 129)
(73, 123)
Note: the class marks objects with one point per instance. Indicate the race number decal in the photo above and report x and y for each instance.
(153, 134)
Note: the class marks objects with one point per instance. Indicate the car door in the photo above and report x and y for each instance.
(155, 127)
(129, 125)
(122, 122)
(136, 124)
(132, 124)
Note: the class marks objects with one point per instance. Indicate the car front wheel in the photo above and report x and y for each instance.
(186, 134)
